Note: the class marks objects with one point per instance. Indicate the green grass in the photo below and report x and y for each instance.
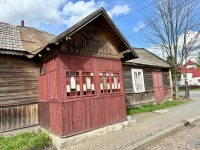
(25, 141)
(197, 89)
(153, 107)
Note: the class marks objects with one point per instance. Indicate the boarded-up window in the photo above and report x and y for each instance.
(138, 80)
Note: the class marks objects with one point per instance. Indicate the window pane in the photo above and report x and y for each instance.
(73, 82)
(72, 73)
(137, 78)
(115, 82)
(104, 83)
(88, 83)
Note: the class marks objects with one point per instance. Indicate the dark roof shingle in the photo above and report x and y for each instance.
(148, 59)
(22, 39)
(10, 38)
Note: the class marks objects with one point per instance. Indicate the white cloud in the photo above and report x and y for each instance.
(157, 51)
(139, 26)
(117, 10)
(32, 12)
(74, 12)
(54, 12)
(192, 55)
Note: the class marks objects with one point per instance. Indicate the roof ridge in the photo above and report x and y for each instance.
(40, 30)
(4, 23)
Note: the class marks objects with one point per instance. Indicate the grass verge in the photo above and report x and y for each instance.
(153, 107)
(25, 141)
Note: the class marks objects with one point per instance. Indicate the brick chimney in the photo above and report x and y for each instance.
(22, 23)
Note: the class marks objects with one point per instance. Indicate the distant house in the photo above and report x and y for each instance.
(19, 75)
(80, 80)
(193, 74)
(146, 79)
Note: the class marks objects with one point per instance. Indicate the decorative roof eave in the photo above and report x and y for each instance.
(127, 55)
(84, 22)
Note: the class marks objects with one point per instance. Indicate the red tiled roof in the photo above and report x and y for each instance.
(195, 71)
(189, 63)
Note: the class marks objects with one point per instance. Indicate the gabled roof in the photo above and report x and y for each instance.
(146, 58)
(21, 40)
(195, 72)
(33, 39)
(101, 15)
(189, 62)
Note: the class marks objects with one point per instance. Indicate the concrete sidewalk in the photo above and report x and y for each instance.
(148, 128)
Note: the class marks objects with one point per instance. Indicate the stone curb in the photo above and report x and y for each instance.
(154, 137)
(62, 142)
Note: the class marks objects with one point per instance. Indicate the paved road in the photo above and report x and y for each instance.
(186, 139)
(146, 125)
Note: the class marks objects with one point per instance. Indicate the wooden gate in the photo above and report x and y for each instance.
(158, 86)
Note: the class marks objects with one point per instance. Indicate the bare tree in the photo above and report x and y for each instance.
(174, 27)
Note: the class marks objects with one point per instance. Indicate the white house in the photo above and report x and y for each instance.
(193, 74)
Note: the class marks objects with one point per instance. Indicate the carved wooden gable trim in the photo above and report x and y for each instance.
(90, 41)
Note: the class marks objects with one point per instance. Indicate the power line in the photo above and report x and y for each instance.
(150, 23)
(134, 11)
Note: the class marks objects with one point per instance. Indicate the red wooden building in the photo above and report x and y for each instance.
(80, 81)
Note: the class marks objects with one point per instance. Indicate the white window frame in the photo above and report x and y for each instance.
(141, 81)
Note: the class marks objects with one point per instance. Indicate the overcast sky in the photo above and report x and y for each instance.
(56, 16)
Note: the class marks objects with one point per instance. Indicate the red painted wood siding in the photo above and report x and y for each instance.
(88, 114)
(74, 115)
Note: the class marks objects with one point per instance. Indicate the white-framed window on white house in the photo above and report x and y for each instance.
(138, 80)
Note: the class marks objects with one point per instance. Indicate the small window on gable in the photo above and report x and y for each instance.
(104, 82)
(72, 83)
(88, 83)
(42, 69)
(115, 82)
(138, 80)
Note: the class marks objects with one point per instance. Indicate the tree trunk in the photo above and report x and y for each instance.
(186, 89)
(176, 84)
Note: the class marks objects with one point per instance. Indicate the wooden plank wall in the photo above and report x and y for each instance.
(165, 77)
(148, 81)
(148, 96)
(18, 80)
(44, 115)
(167, 93)
(88, 114)
(19, 116)
(133, 99)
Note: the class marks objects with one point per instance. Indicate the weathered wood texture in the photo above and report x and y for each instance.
(128, 85)
(92, 40)
(158, 85)
(148, 96)
(165, 78)
(44, 115)
(18, 116)
(91, 113)
(133, 99)
(167, 93)
(73, 115)
(18, 80)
